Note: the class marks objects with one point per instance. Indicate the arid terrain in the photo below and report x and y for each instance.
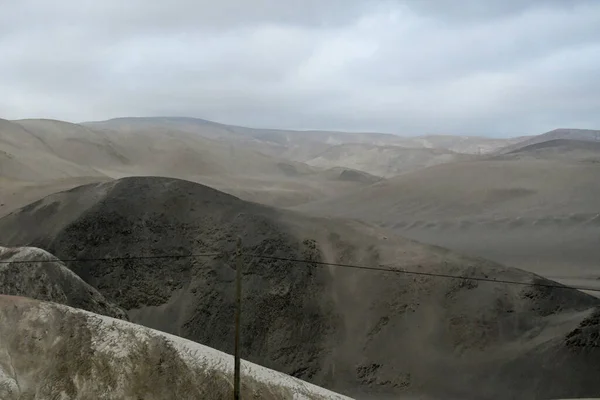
(386, 161)
(534, 208)
(350, 199)
(178, 192)
(334, 327)
(37, 274)
(39, 157)
(68, 155)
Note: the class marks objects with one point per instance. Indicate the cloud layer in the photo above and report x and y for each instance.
(499, 67)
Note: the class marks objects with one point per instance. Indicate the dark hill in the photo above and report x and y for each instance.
(346, 329)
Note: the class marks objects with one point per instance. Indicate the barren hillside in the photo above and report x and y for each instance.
(288, 144)
(34, 273)
(558, 149)
(386, 161)
(39, 157)
(304, 145)
(25, 157)
(535, 209)
(345, 329)
(50, 351)
(476, 145)
(589, 135)
(504, 188)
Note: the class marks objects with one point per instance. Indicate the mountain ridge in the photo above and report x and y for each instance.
(561, 133)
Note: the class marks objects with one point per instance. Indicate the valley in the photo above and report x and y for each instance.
(147, 212)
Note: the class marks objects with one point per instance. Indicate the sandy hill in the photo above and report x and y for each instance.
(558, 149)
(39, 157)
(466, 144)
(76, 143)
(540, 214)
(375, 153)
(32, 163)
(569, 134)
(50, 351)
(26, 157)
(203, 127)
(145, 150)
(32, 272)
(288, 144)
(482, 188)
(354, 331)
(386, 161)
(303, 145)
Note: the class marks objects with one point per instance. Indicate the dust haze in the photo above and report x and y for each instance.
(182, 186)
(407, 193)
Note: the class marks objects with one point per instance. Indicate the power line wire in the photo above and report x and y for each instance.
(432, 274)
(390, 269)
(110, 259)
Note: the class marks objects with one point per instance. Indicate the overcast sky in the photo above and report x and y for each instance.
(485, 67)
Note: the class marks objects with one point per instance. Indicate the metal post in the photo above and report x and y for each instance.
(238, 311)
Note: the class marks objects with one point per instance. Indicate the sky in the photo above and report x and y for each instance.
(490, 68)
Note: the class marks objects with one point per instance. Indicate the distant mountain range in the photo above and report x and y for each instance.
(588, 135)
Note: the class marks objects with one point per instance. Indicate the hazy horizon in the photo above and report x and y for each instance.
(510, 68)
(316, 129)
(285, 199)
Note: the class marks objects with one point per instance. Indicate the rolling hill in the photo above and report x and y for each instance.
(350, 330)
(558, 149)
(305, 144)
(535, 209)
(476, 189)
(288, 144)
(588, 135)
(26, 157)
(476, 145)
(385, 161)
(39, 157)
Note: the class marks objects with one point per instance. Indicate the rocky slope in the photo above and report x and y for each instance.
(32, 272)
(353, 331)
(50, 351)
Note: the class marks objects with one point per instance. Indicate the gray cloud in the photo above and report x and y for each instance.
(511, 67)
(474, 11)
